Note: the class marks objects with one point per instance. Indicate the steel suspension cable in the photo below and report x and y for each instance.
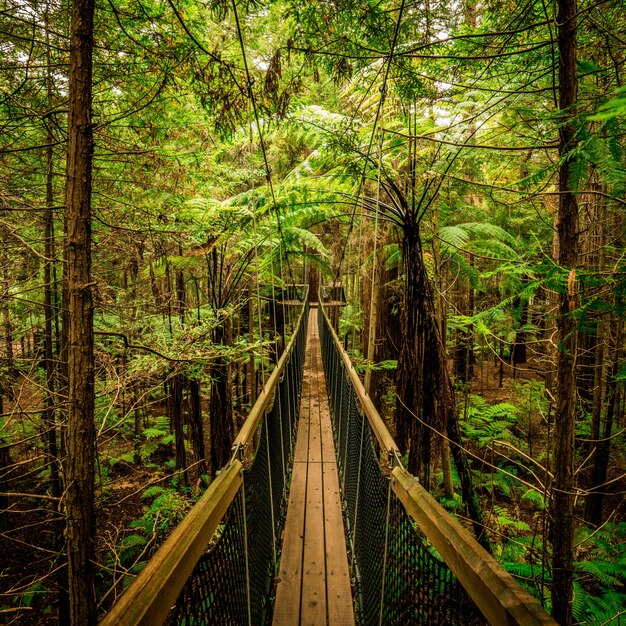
(371, 348)
(246, 555)
(383, 94)
(268, 173)
(385, 553)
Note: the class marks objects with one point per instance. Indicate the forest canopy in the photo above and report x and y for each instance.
(173, 171)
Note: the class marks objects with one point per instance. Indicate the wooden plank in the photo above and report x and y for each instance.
(315, 433)
(288, 592)
(339, 590)
(301, 452)
(326, 428)
(152, 594)
(317, 557)
(500, 598)
(315, 436)
(313, 608)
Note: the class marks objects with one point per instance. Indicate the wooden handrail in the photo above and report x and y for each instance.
(150, 597)
(384, 438)
(500, 598)
(263, 402)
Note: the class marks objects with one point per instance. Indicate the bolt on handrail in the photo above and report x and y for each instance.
(498, 596)
(150, 597)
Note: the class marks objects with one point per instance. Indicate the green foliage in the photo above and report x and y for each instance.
(166, 509)
(350, 322)
(615, 107)
(600, 579)
(486, 423)
(389, 365)
(535, 497)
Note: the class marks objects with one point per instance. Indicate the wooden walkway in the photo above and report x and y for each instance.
(314, 580)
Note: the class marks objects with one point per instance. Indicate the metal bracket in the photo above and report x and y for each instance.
(395, 459)
(237, 452)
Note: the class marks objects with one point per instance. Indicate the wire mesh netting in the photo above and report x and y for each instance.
(400, 578)
(232, 582)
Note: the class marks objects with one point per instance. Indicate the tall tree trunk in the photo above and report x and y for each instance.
(176, 388)
(196, 426)
(372, 335)
(251, 375)
(8, 326)
(50, 321)
(562, 505)
(593, 505)
(464, 349)
(5, 461)
(423, 365)
(519, 352)
(221, 403)
(409, 407)
(81, 436)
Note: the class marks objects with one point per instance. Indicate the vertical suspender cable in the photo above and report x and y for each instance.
(245, 551)
(271, 491)
(371, 347)
(358, 486)
(384, 575)
(271, 189)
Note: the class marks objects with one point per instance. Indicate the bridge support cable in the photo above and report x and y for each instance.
(414, 563)
(200, 577)
(385, 554)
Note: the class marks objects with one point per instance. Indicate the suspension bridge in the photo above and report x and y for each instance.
(315, 521)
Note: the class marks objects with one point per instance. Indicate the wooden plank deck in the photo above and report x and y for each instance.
(314, 580)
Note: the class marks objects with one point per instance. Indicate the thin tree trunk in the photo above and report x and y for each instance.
(222, 426)
(595, 499)
(5, 461)
(377, 271)
(562, 505)
(81, 437)
(251, 377)
(8, 326)
(175, 388)
(197, 426)
(50, 320)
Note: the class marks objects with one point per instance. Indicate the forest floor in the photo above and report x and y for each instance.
(27, 539)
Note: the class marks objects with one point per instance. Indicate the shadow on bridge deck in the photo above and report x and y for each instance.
(314, 580)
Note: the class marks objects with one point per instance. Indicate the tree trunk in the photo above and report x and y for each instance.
(410, 429)
(423, 366)
(196, 426)
(251, 375)
(11, 371)
(176, 388)
(5, 461)
(50, 321)
(81, 437)
(464, 349)
(593, 505)
(519, 352)
(562, 505)
(372, 335)
(221, 403)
